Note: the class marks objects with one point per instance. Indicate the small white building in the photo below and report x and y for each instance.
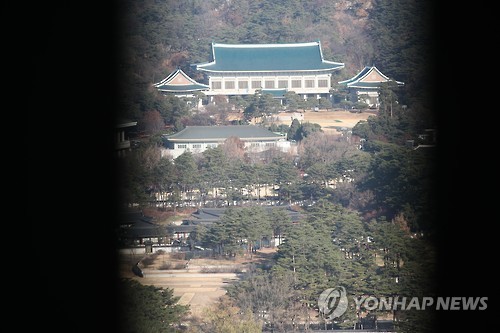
(197, 139)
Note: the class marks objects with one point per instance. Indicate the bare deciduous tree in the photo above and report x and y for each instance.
(234, 148)
(324, 148)
(152, 122)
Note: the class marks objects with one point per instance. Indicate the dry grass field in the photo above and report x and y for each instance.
(199, 284)
(332, 120)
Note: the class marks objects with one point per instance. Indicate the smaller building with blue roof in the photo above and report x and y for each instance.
(364, 86)
(180, 84)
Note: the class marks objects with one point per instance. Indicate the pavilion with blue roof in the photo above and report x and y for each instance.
(180, 84)
(243, 69)
(365, 85)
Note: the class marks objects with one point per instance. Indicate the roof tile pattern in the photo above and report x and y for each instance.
(268, 58)
(220, 133)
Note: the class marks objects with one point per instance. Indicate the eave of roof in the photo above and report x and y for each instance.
(370, 85)
(186, 88)
(128, 124)
(121, 123)
(268, 58)
(364, 85)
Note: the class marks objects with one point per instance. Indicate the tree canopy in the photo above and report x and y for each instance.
(148, 309)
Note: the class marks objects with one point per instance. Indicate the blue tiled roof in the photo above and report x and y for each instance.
(357, 77)
(357, 80)
(364, 85)
(275, 92)
(219, 133)
(268, 57)
(184, 88)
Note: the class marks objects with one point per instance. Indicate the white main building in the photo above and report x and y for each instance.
(242, 69)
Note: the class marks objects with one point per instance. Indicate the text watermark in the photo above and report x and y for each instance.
(333, 302)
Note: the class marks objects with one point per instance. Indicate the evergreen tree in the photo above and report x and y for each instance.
(280, 223)
(187, 173)
(213, 169)
(294, 130)
(149, 309)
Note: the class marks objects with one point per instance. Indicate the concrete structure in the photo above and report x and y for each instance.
(122, 131)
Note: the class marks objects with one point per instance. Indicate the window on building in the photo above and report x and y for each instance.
(296, 83)
(256, 84)
(182, 146)
(309, 83)
(255, 144)
(270, 144)
(322, 83)
(197, 146)
(269, 84)
(229, 85)
(216, 85)
(283, 84)
(242, 84)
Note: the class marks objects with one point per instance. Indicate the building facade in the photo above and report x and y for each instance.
(244, 69)
(197, 139)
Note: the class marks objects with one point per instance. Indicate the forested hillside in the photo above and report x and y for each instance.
(160, 36)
